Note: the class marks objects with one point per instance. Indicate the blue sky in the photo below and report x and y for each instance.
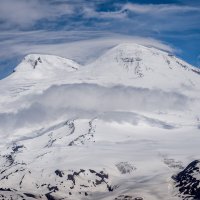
(82, 29)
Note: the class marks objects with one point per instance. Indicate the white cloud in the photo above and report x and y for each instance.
(90, 12)
(158, 8)
(80, 46)
(161, 18)
(90, 100)
(25, 13)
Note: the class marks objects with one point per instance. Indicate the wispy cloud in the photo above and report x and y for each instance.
(48, 14)
(159, 18)
(159, 8)
(80, 46)
(25, 13)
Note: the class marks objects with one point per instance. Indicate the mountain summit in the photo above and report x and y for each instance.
(38, 66)
(144, 66)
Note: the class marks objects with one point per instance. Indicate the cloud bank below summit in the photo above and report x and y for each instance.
(90, 100)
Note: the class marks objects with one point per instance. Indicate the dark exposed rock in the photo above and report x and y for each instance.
(71, 177)
(188, 181)
(17, 147)
(84, 186)
(102, 177)
(39, 60)
(5, 189)
(70, 124)
(59, 173)
(16, 171)
(84, 137)
(127, 60)
(50, 197)
(196, 71)
(125, 167)
(127, 197)
(10, 159)
(82, 181)
(35, 63)
(52, 188)
(30, 195)
(50, 142)
(172, 163)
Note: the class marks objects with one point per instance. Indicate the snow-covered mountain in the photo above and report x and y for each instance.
(145, 67)
(123, 127)
(35, 66)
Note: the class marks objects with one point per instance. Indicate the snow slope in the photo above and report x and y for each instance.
(35, 66)
(122, 127)
(145, 67)
(34, 74)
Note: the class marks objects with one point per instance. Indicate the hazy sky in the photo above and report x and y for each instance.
(82, 29)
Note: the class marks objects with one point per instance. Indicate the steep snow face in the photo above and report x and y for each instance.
(36, 66)
(144, 66)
